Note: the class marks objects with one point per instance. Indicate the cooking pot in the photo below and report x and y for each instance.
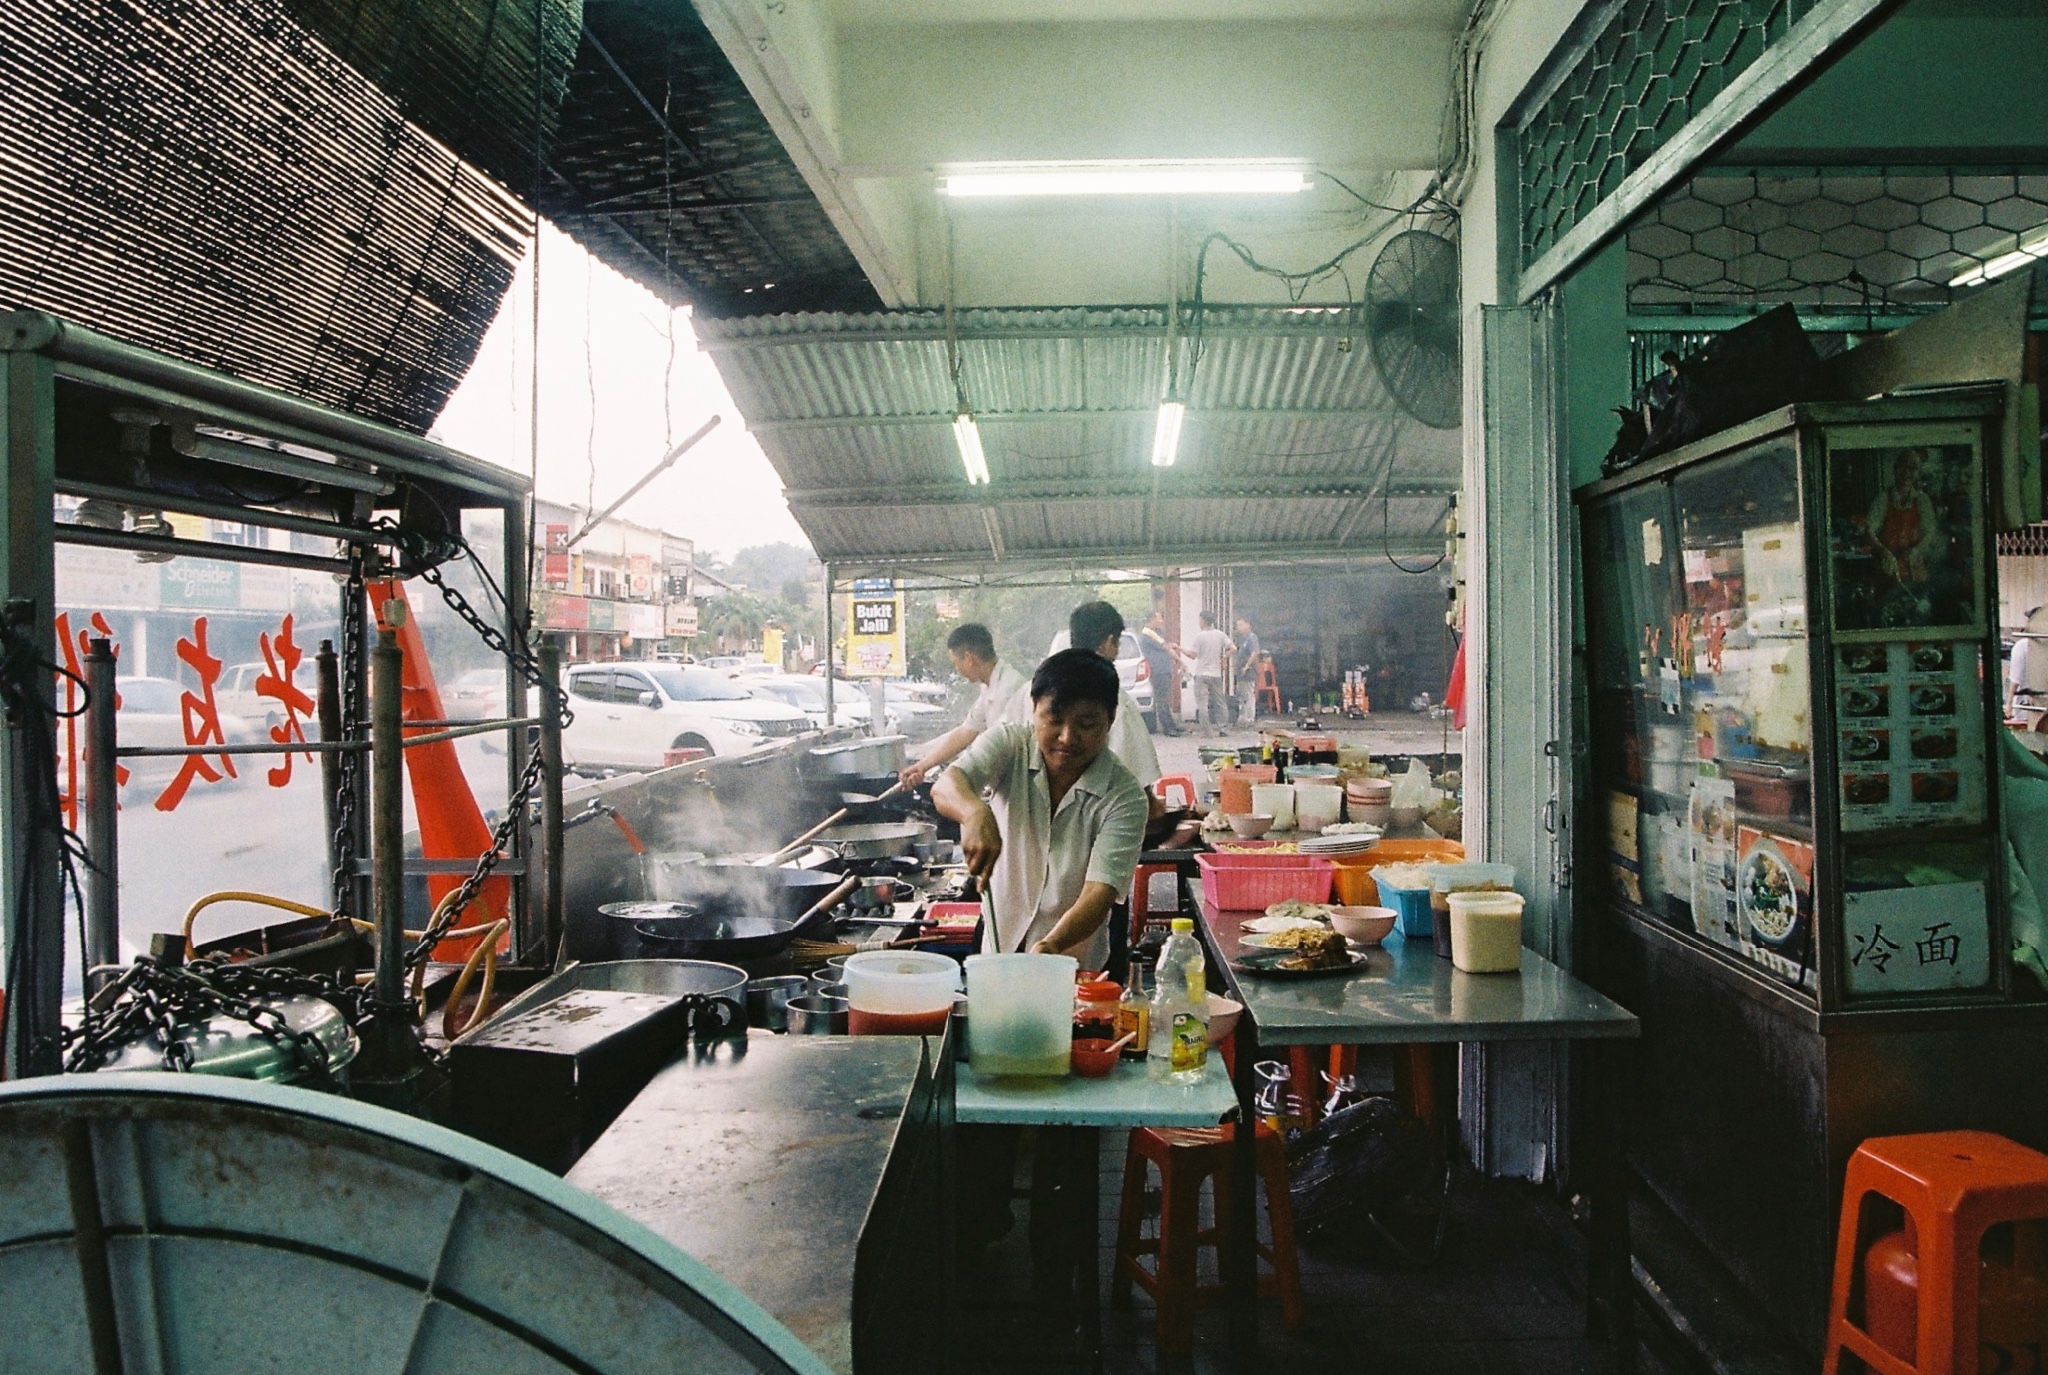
(871, 758)
(666, 877)
(617, 939)
(741, 888)
(875, 840)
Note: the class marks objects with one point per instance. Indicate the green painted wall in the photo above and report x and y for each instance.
(1593, 359)
(1938, 76)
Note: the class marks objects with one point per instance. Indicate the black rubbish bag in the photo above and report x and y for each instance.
(1355, 1162)
(1754, 368)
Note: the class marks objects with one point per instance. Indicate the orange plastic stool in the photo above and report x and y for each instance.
(1176, 785)
(1185, 1157)
(1953, 1186)
(1269, 685)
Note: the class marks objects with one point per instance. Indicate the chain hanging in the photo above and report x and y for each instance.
(168, 1002)
(341, 882)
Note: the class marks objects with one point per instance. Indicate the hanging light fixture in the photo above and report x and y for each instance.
(967, 435)
(2030, 250)
(1209, 177)
(1166, 433)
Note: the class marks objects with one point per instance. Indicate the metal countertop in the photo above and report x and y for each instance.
(1406, 994)
(760, 1159)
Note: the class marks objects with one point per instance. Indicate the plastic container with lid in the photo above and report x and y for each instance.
(899, 992)
(1471, 877)
(1095, 1006)
(1275, 800)
(1486, 932)
(1317, 805)
(1021, 1009)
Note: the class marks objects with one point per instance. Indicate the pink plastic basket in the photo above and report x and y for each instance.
(1241, 883)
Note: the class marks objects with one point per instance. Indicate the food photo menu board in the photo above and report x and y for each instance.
(1910, 734)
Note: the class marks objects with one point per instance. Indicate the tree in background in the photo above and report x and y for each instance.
(775, 584)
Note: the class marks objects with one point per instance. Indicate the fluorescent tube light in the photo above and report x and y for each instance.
(1125, 179)
(1166, 433)
(968, 437)
(2031, 249)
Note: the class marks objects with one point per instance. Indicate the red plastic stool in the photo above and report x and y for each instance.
(1269, 685)
(1953, 1186)
(1186, 1157)
(1180, 784)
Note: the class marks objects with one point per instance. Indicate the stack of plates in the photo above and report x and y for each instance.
(1355, 844)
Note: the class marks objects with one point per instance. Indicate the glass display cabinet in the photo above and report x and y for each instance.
(1790, 712)
(1790, 862)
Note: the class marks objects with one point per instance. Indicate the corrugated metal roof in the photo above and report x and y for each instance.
(1292, 444)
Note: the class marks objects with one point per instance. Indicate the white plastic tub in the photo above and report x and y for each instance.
(1275, 800)
(1317, 805)
(1486, 932)
(900, 991)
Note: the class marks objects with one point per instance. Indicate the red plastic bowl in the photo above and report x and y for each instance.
(1094, 1058)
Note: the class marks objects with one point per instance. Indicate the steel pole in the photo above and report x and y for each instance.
(554, 923)
(831, 718)
(327, 705)
(102, 844)
(387, 808)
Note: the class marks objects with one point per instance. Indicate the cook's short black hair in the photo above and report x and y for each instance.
(1668, 357)
(1093, 622)
(1074, 676)
(973, 638)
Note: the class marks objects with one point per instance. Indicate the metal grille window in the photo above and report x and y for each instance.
(1653, 66)
(1863, 240)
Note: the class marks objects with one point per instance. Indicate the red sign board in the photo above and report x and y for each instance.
(555, 567)
(567, 613)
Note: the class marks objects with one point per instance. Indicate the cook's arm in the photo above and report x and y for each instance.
(1079, 923)
(940, 752)
(980, 839)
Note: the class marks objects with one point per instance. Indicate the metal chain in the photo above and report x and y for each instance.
(165, 1002)
(450, 910)
(341, 882)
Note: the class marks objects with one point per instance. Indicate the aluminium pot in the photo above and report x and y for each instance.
(749, 890)
(668, 931)
(869, 758)
(878, 839)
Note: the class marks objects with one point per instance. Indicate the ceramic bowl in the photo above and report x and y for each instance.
(1093, 1058)
(1250, 827)
(1362, 925)
(1223, 1015)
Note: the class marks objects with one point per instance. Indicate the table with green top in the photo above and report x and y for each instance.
(1070, 1113)
(1405, 994)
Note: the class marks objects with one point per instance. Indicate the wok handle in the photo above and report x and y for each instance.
(767, 861)
(830, 900)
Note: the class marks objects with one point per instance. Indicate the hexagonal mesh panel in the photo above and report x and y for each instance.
(1890, 240)
(1653, 67)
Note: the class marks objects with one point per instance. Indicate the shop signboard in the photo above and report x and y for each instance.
(206, 583)
(946, 609)
(567, 613)
(107, 579)
(682, 619)
(771, 645)
(874, 640)
(603, 614)
(646, 622)
(555, 565)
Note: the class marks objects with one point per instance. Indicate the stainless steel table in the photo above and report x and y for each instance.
(763, 1158)
(1407, 995)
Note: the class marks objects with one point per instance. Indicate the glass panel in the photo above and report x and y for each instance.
(1740, 857)
(1637, 728)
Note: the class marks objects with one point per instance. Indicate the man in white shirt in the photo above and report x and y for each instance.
(1005, 696)
(1100, 627)
(1059, 835)
(1211, 649)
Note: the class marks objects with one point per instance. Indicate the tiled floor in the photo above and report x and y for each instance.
(1503, 1298)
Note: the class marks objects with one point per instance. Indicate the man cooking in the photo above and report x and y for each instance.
(1058, 838)
(1005, 696)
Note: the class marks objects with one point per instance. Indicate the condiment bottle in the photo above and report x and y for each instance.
(1180, 1007)
(1095, 1008)
(1134, 1013)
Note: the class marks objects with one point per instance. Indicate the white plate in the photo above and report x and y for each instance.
(1268, 925)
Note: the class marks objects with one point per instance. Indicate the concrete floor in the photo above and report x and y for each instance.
(1504, 1297)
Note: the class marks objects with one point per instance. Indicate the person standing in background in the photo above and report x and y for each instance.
(1165, 669)
(1211, 652)
(1247, 666)
(1100, 627)
(1005, 696)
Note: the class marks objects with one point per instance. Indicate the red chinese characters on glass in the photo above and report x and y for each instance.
(73, 646)
(201, 717)
(281, 659)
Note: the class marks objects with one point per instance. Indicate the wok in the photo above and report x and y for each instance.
(873, 840)
(706, 936)
(738, 888)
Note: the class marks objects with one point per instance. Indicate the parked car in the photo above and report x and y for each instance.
(914, 717)
(629, 715)
(235, 691)
(1131, 669)
(151, 713)
(476, 694)
(807, 694)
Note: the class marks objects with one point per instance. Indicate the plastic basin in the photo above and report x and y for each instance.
(1020, 1011)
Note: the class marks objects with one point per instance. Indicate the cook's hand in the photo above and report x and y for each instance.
(982, 842)
(912, 774)
(1048, 948)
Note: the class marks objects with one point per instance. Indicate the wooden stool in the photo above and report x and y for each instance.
(1185, 1157)
(1269, 685)
(1953, 1186)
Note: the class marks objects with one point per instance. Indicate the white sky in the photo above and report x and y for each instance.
(603, 335)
